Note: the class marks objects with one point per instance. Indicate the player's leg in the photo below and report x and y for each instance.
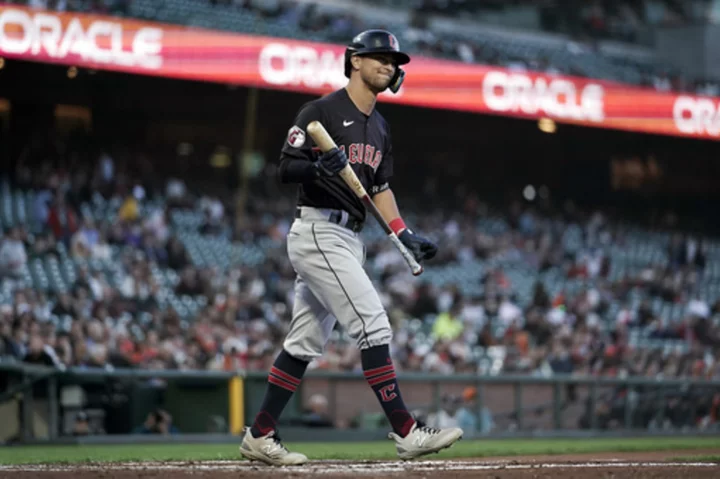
(332, 267)
(309, 330)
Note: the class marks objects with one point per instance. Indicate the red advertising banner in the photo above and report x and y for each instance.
(102, 42)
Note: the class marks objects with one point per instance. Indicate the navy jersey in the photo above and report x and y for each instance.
(365, 140)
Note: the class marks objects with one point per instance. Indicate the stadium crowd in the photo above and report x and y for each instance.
(545, 291)
(584, 23)
(106, 265)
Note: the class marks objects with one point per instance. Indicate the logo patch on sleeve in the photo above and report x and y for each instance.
(296, 137)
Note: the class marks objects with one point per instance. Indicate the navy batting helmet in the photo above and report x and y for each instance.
(378, 41)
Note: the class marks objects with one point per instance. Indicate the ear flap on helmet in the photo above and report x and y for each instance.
(397, 80)
(348, 65)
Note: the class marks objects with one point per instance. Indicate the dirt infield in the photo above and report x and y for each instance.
(586, 466)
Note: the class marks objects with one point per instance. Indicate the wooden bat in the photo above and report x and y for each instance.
(326, 143)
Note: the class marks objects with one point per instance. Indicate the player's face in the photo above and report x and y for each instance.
(377, 70)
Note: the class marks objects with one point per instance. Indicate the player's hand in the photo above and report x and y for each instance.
(421, 248)
(332, 162)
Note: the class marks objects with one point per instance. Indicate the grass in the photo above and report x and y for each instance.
(355, 451)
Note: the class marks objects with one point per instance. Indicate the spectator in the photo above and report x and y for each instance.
(44, 245)
(424, 302)
(176, 193)
(62, 220)
(40, 353)
(81, 426)
(101, 250)
(189, 283)
(43, 201)
(157, 422)
(90, 283)
(446, 416)
(85, 239)
(9, 345)
(64, 349)
(317, 415)
(106, 170)
(13, 257)
(508, 313)
(177, 257)
(466, 415)
(560, 359)
(136, 285)
(448, 325)
(40, 4)
(154, 250)
(130, 208)
(64, 305)
(156, 225)
(541, 299)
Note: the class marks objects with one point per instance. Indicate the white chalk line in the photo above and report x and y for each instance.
(320, 467)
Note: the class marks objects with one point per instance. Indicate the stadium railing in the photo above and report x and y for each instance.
(39, 404)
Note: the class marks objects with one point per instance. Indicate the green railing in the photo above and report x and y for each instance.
(514, 404)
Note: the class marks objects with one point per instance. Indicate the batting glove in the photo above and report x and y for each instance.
(331, 163)
(421, 248)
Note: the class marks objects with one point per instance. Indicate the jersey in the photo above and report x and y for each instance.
(365, 139)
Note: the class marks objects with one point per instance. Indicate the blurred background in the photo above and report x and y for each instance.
(143, 229)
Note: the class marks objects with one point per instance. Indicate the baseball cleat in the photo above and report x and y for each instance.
(270, 450)
(424, 440)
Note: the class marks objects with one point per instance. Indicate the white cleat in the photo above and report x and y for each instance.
(424, 440)
(270, 450)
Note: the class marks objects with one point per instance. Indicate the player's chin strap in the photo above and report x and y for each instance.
(397, 80)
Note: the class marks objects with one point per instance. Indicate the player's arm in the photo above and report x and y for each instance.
(298, 162)
(381, 193)
(384, 199)
(296, 158)
(386, 204)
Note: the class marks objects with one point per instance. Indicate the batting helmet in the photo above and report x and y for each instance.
(378, 41)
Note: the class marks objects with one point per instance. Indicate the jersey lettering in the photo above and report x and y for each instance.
(368, 156)
(366, 146)
(377, 160)
(355, 153)
(362, 153)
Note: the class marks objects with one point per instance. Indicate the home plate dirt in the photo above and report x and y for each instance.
(621, 465)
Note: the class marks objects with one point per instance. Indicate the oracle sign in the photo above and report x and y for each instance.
(177, 51)
(44, 34)
(556, 97)
(697, 116)
(282, 64)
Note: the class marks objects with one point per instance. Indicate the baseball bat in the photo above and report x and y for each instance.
(325, 143)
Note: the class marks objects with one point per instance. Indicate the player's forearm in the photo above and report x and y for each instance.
(293, 170)
(386, 204)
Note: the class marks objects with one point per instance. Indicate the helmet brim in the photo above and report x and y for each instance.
(400, 57)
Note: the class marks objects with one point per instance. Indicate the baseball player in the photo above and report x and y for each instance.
(328, 255)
